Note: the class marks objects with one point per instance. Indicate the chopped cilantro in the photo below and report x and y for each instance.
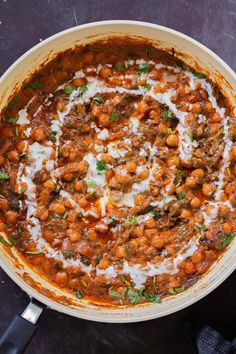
(69, 89)
(64, 216)
(12, 240)
(60, 153)
(132, 220)
(12, 102)
(3, 175)
(198, 228)
(148, 52)
(114, 293)
(179, 178)
(169, 131)
(113, 221)
(134, 297)
(83, 89)
(69, 254)
(122, 67)
(36, 252)
(147, 86)
(198, 74)
(176, 290)
(167, 115)
(11, 120)
(91, 183)
(151, 297)
(98, 259)
(155, 213)
(182, 195)
(79, 295)
(98, 100)
(4, 242)
(119, 263)
(101, 166)
(190, 135)
(144, 68)
(36, 85)
(114, 117)
(226, 241)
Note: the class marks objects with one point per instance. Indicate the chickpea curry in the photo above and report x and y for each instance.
(117, 173)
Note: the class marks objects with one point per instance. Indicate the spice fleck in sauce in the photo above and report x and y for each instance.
(117, 173)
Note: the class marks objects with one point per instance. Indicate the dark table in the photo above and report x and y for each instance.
(23, 23)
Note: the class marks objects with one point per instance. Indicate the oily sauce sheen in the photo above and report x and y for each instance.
(117, 173)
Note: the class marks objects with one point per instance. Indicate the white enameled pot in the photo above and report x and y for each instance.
(194, 54)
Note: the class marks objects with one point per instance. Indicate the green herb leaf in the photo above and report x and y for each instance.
(182, 195)
(147, 86)
(69, 89)
(12, 240)
(36, 252)
(190, 135)
(144, 68)
(179, 178)
(69, 254)
(101, 166)
(169, 131)
(91, 183)
(36, 85)
(151, 297)
(11, 120)
(113, 221)
(120, 67)
(198, 74)
(119, 263)
(176, 290)
(167, 115)
(122, 278)
(114, 117)
(114, 293)
(155, 213)
(79, 295)
(198, 228)
(134, 297)
(226, 241)
(132, 220)
(3, 175)
(4, 242)
(98, 100)
(148, 52)
(98, 259)
(12, 102)
(64, 216)
(60, 153)
(83, 89)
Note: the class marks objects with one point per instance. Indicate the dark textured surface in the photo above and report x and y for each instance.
(22, 24)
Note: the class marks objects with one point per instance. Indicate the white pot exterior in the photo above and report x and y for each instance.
(165, 38)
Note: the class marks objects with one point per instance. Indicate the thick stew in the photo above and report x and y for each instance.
(117, 173)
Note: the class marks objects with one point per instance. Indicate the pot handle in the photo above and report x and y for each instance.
(20, 330)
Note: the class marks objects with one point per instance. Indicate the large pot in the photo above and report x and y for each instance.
(194, 54)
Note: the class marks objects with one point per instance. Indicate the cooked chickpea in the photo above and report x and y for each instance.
(227, 227)
(232, 199)
(142, 106)
(11, 217)
(49, 184)
(22, 146)
(155, 116)
(189, 267)
(198, 173)
(209, 106)
(162, 128)
(196, 108)
(120, 252)
(173, 161)
(38, 134)
(139, 199)
(103, 264)
(79, 186)
(190, 119)
(195, 203)
(104, 120)
(215, 118)
(74, 235)
(58, 208)
(131, 166)
(13, 156)
(92, 235)
(67, 177)
(61, 278)
(105, 72)
(150, 223)
(4, 205)
(191, 182)
(83, 203)
(207, 189)
(172, 140)
(101, 227)
(185, 214)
